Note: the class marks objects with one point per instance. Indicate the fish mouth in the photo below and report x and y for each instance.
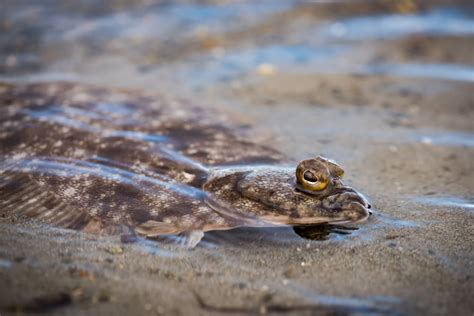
(343, 206)
(353, 205)
(342, 203)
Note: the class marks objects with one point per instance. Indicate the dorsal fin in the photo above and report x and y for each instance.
(22, 196)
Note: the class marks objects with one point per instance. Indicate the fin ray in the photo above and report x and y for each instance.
(23, 196)
(153, 228)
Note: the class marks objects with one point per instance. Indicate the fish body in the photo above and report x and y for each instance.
(108, 160)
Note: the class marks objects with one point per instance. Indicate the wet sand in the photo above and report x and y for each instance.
(401, 127)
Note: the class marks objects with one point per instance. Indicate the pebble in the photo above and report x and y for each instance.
(115, 250)
(290, 272)
(266, 70)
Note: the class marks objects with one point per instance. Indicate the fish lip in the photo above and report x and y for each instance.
(353, 199)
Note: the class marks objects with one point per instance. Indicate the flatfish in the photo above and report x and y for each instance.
(108, 161)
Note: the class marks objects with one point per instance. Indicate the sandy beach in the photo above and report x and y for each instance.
(384, 89)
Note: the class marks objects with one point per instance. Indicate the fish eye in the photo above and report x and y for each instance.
(309, 176)
(312, 176)
(312, 181)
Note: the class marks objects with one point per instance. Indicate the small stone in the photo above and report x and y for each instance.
(115, 250)
(392, 236)
(290, 272)
(266, 70)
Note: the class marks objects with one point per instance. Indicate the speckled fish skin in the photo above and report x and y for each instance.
(272, 195)
(100, 160)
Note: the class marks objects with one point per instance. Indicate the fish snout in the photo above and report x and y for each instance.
(354, 204)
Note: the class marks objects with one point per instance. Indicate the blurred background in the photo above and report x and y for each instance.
(257, 55)
(198, 44)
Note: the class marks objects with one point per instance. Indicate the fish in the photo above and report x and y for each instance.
(116, 161)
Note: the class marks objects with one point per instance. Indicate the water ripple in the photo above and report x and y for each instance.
(436, 22)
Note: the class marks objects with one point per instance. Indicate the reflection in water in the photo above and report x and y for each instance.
(322, 232)
(436, 71)
(154, 248)
(160, 21)
(436, 22)
(338, 306)
(376, 305)
(84, 120)
(72, 168)
(447, 138)
(449, 201)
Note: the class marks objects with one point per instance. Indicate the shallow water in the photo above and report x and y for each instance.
(386, 90)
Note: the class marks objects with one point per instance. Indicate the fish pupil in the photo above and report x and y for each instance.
(309, 176)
